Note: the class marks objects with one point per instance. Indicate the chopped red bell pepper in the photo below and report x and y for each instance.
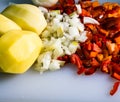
(115, 88)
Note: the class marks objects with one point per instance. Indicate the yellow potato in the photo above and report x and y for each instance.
(27, 16)
(6, 25)
(19, 50)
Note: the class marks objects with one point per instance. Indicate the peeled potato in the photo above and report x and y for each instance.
(19, 50)
(27, 16)
(6, 25)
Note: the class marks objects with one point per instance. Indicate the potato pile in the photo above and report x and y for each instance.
(20, 44)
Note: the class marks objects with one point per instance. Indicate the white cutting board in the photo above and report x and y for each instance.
(60, 86)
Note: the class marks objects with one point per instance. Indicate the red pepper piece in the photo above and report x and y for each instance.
(91, 27)
(69, 9)
(85, 13)
(64, 58)
(93, 54)
(94, 63)
(102, 31)
(115, 75)
(115, 67)
(116, 59)
(98, 12)
(104, 66)
(88, 46)
(68, 6)
(102, 37)
(115, 88)
(57, 7)
(86, 53)
(81, 70)
(70, 2)
(96, 48)
(74, 58)
(112, 25)
(79, 52)
(87, 63)
(90, 71)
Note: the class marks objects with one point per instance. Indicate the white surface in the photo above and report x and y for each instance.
(60, 86)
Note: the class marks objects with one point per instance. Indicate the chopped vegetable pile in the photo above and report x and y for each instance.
(86, 34)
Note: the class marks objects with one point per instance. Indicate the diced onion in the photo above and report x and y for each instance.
(90, 20)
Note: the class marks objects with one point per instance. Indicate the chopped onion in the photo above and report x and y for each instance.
(90, 20)
(79, 9)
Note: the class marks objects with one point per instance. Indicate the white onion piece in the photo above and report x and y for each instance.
(83, 37)
(43, 9)
(45, 3)
(87, 20)
(79, 8)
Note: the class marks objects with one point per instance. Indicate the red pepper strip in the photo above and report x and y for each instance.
(77, 61)
(115, 88)
(81, 70)
(115, 75)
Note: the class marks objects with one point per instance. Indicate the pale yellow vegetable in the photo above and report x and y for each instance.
(45, 3)
(28, 16)
(19, 50)
(6, 25)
